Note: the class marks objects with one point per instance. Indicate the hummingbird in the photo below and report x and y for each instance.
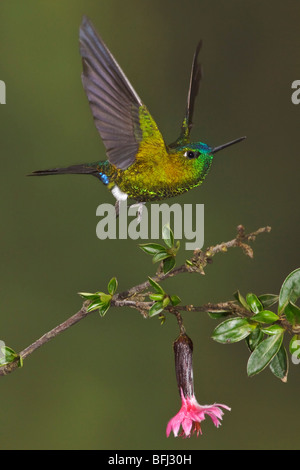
(139, 164)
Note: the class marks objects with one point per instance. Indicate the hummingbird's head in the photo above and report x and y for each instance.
(199, 149)
(197, 159)
(198, 156)
(195, 150)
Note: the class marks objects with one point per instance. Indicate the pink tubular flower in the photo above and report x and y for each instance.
(190, 416)
(191, 413)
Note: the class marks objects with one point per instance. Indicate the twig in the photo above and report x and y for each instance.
(4, 370)
(201, 259)
(176, 312)
(143, 307)
(220, 307)
(239, 241)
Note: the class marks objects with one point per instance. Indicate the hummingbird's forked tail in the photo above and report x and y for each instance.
(71, 170)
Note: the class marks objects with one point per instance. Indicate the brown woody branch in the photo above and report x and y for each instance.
(135, 299)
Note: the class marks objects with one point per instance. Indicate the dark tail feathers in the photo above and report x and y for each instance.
(71, 170)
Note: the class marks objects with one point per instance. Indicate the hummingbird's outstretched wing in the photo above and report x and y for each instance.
(121, 118)
(196, 75)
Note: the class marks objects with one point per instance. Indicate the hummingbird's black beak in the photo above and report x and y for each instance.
(221, 147)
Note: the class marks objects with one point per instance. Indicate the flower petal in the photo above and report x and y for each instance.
(174, 423)
(187, 424)
(191, 414)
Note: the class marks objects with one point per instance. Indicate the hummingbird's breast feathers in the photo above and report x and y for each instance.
(159, 173)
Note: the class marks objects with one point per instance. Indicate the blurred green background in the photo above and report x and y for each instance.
(110, 383)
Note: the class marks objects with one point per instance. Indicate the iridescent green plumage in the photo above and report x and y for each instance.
(140, 165)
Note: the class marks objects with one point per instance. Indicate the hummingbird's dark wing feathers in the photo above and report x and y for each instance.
(196, 75)
(115, 105)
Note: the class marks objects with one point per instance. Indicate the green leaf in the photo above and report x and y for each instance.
(253, 302)
(168, 236)
(9, 355)
(263, 354)
(112, 286)
(279, 364)
(91, 296)
(103, 308)
(7, 351)
(292, 313)
(152, 248)
(88, 295)
(237, 295)
(175, 300)
(166, 301)
(266, 316)
(156, 296)
(94, 305)
(290, 290)
(255, 337)
(156, 308)
(105, 298)
(168, 264)
(273, 330)
(99, 300)
(268, 299)
(160, 256)
(156, 286)
(218, 315)
(233, 330)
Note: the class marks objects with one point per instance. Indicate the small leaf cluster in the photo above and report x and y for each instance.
(165, 254)
(101, 300)
(8, 355)
(161, 299)
(263, 329)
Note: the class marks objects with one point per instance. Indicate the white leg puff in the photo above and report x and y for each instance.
(118, 194)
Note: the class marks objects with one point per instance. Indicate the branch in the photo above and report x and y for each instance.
(133, 297)
(200, 259)
(144, 307)
(4, 370)
(239, 241)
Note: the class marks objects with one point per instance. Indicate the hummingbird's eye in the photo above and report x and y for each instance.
(190, 154)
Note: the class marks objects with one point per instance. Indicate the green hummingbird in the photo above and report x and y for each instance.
(139, 165)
